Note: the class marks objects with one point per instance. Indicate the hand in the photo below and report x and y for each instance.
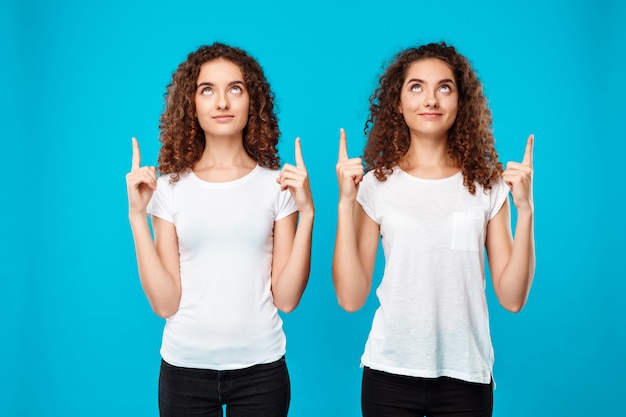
(349, 171)
(296, 180)
(140, 183)
(519, 177)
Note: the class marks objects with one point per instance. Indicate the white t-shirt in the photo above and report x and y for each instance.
(227, 318)
(433, 319)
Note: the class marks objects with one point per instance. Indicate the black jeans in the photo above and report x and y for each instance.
(389, 395)
(259, 391)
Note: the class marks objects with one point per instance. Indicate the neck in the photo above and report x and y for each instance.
(428, 157)
(224, 152)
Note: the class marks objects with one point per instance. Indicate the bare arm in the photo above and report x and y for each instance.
(356, 240)
(291, 260)
(354, 257)
(512, 261)
(158, 261)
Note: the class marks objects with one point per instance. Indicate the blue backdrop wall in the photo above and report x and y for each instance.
(80, 78)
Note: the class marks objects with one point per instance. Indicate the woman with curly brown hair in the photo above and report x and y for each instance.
(232, 239)
(436, 193)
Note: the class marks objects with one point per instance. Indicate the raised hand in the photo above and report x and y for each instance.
(519, 177)
(140, 183)
(349, 171)
(296, 180)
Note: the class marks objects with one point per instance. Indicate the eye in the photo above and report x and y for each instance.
(416, 87)
(445, 88)
(206, 91)
(236, 89)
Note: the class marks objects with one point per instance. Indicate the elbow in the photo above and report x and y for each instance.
(514, 307)
(349, 304)
(348, 299)
(164, 311)
(286, 307)
(287, 303)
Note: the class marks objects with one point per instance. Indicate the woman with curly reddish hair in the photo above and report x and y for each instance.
(436, 193)
(232, 239)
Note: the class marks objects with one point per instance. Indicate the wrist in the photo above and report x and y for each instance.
(306, 213)
(346, 204)
(135, 216)
(526, 211)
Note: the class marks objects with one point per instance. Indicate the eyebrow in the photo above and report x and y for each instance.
(209, 84)
(444, 81)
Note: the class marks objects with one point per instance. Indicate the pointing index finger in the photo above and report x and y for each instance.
(299, 159)
(343, 145)
(136, 159)
(528, 153)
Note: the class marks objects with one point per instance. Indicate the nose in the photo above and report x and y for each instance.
(430, 99)
(222, 102)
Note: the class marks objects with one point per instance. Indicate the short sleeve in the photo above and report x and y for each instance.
(286, 205)
(160, 203)
(499, 195)
(365, 196)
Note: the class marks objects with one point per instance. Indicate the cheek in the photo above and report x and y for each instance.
(455, 112)
(407, 105)
(201, 104)
(453, 107)
(245, 109)
(241, 103)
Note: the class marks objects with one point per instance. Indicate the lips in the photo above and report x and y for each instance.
(223, 118)
(431, 116)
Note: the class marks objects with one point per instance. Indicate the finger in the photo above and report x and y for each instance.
(136, 160)
(343, 146)
(528, 154)
(299, 159)
(146, 176)
(292, 183)
(517, 166)
(291, 175)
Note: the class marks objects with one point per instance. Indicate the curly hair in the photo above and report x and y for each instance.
(470, 138)
(183, 141)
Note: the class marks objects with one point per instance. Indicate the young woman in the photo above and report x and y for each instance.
(436, 193)
(232, 239)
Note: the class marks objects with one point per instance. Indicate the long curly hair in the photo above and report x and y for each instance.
(470, 138)
(182, 139)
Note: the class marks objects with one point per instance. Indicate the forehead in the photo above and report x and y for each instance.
(429, 69)
(220, 70)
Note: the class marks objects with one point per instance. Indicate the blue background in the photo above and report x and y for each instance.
(79, 79)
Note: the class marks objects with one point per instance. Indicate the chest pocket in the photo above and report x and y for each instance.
(468, 231)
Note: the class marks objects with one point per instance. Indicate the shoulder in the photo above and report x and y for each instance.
(370, 177)
(500, 185)
(262, 175)
(498, 188)
(169, 181)
(165, 181)
(369, 181)
(267, 172)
